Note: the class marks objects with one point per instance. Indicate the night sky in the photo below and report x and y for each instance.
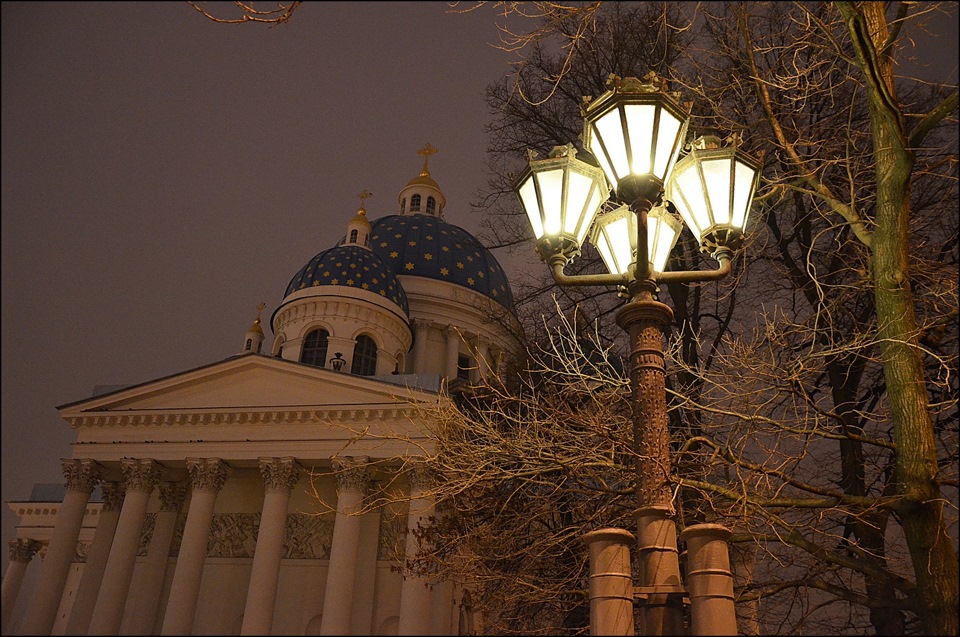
(162, 175)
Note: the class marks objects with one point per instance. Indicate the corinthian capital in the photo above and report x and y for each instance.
(81, 475)
(172, 495)
(421, 476)
(279, 474)
(206, 474)
(141, 475)
(352, 473)
(112, 495)
(23, 550)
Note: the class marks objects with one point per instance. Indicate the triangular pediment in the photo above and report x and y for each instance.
(250, 381)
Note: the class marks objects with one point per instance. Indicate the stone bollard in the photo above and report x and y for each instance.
(709, 580)
(611, 583)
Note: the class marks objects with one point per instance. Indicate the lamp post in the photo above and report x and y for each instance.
(636, 131)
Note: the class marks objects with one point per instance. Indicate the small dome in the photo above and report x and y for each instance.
(423, 180)
(350, 266)
(427, 246)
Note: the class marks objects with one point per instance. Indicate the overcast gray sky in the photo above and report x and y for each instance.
(162, 175)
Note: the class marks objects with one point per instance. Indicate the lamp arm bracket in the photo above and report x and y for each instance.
(556, 268)
(689, 276)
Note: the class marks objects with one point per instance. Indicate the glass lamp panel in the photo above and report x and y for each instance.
(640, 120)
(716, 178)
(687, 195)
(742, 194)
(604, 248)
(667, 146)
(661, 237)
(578, 195)
(528, 195)
(597, 151)
(617, 241)
(593, 206)
(610, 131)
(551, 194)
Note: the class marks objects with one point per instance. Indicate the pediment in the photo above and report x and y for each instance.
(249, 381)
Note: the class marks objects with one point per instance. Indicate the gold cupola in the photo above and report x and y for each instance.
(253, 339)
(422, 194)
(358, 228)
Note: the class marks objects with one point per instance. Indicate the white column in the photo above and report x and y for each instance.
(453, 352)
(415, 592)
(141, 477)
(150, 586)
(352, 481)
(483, 359)
(207, 476)
(21, 552)
(93, 570)
(279, 477)
(82, 476)
(420, 330)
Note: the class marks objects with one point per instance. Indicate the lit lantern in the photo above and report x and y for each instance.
(561, 196)
(636, 131)
(712, 188)
(615, 236)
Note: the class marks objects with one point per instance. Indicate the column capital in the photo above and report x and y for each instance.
(421, 475)
(23, 549)
(352, 473)
(140, 474)
(452, 331)
(172, 495)
(279, 474)
(206, 474)
(112, 493)
(421, 324)
(81, 475)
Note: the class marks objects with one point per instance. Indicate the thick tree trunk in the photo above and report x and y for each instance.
(921, 512)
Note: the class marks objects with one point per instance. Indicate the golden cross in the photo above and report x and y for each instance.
(260, 308)
(363, 198)
(426, 151)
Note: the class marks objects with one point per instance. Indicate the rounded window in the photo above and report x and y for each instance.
(314, 350)
(364, 357)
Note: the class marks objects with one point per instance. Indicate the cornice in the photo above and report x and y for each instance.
(266, 416)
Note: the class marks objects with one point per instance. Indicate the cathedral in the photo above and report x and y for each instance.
(241, 497)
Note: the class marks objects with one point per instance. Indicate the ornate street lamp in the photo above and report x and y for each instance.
(636, 131)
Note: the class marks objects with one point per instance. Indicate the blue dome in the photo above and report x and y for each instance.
(351, 266)
(424, 245)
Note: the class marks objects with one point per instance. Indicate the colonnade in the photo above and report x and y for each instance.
(107, 578)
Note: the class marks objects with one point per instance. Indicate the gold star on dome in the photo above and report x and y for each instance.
(409, 266)
(445, 248)
(460, 264)
(412, 243)
(315, 283)
(470, 280)
(335, 282)
(427, 257)
(365, 286)
(444, 271)
(349, 281)
(383, 244)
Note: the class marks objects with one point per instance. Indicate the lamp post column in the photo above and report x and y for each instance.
(645, 320)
